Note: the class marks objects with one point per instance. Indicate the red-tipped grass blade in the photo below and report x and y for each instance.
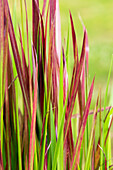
(75, 159)
(87, 45)
(75, 49)
(17, 57)
(65, 78)
(74, 89)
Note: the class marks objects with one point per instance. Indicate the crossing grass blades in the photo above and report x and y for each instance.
(48, 132)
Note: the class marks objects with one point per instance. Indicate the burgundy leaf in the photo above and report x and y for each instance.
(87, 45)
(65, 78)
(75, 49)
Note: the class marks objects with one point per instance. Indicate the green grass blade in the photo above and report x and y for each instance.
(59, 137)
(106, 93)
(91, 139)
(60, 111)
(1, 69)
(42, 155)
(18, 129)
(1, 159)
(53, 134)
(105, 125)
(80, 136)
(21, 8)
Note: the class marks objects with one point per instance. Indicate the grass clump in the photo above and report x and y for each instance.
(41, 134)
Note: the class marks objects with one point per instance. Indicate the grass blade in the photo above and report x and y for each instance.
(75, 89)
(58, 31)
(92, 137)
(17, 57)
(75, 159)
(8, 130)
(30, 84)
(75, 49)
(33, 123)
(59, 137)
(60, 111)
(1, 68)
(43, 9)
(44, 133)
(1, 159)
(35, 22)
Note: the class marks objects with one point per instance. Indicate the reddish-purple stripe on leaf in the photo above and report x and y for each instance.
(75, 49)
(65, 78)
(83, 86)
